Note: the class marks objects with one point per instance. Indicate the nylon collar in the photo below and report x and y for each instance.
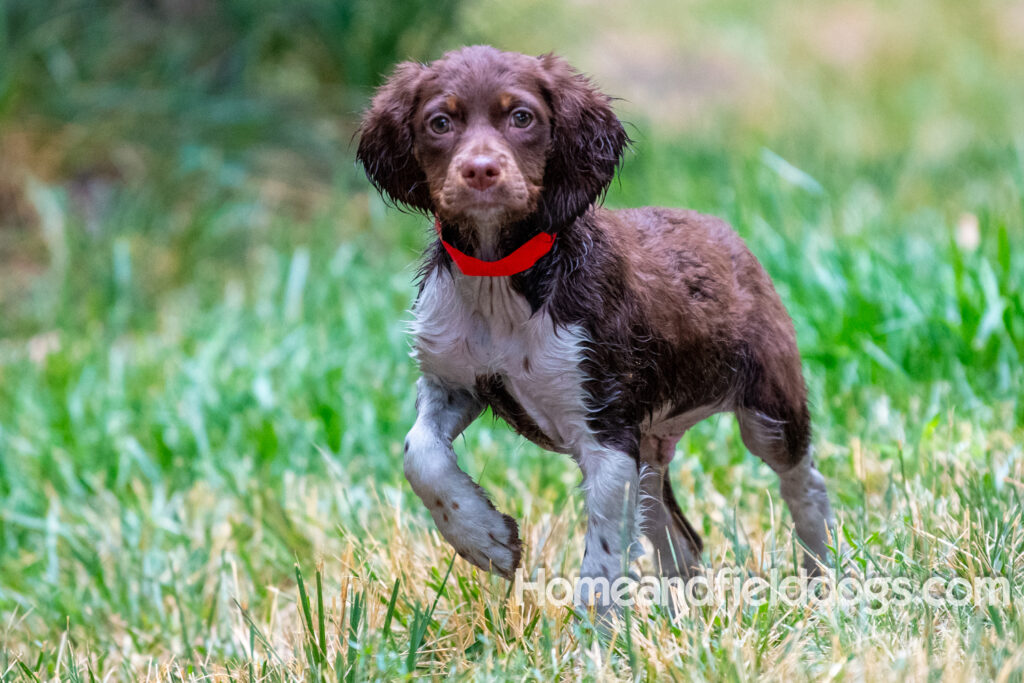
(519, 260)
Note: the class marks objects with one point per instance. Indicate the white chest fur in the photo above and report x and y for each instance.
(466, 327)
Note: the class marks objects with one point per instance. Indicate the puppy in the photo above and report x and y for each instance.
(601, 334)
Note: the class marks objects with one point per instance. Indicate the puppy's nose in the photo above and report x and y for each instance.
(481, 172)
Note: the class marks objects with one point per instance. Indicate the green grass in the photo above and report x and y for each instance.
(204, 390)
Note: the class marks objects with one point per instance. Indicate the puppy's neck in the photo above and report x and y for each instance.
(488, 229)
(579, 249)
(491, 236)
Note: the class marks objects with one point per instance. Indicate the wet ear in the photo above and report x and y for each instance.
(587, 141)
(386, 139)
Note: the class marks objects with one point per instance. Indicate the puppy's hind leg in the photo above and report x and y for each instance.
(461, 509)
(801, 484)
(677, 546)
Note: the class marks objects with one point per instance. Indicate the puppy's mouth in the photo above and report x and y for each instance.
(507, 201)
(492, 197)
(491, 202)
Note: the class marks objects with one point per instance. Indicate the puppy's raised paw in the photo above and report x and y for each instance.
(480, 534)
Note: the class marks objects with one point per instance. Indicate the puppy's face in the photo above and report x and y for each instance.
(481, 135)
(489, 138)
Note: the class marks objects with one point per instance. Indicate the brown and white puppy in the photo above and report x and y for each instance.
(635, 325)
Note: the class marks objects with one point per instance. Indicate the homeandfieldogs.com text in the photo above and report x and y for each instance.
(728, 586)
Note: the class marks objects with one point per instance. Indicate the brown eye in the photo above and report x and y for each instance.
(440, 124)
(521, 118)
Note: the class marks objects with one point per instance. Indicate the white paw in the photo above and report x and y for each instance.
(478, 532)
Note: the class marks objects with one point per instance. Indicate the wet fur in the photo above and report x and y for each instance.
(675, 315)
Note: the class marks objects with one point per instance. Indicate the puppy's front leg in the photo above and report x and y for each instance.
(611, 483)
(460, 508)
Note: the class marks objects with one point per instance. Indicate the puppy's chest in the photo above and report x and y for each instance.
(479, 334)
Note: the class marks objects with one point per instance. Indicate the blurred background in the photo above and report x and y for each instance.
(201, 299)
(188, 131)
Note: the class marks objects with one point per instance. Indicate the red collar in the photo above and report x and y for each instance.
(519, 260)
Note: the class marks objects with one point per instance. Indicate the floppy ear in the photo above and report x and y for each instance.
(587, 141)
(386, 139)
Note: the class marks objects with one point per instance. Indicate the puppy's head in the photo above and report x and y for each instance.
(490, 138)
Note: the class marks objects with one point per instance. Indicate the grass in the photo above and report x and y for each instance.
(204, 388)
